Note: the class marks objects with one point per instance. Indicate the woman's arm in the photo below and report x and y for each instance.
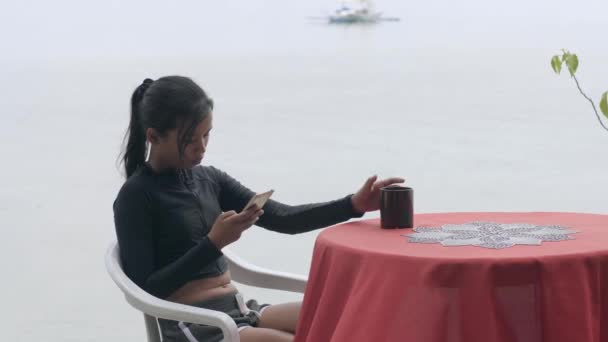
(281, 217)
(133, 220)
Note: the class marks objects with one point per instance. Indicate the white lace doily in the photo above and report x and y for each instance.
(489, 234)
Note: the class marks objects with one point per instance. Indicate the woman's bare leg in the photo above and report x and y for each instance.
(265, 335)
(281, 317)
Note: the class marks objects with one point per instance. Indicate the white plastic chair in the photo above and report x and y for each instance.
(153, 307)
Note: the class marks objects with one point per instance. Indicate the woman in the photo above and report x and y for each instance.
(173, 216)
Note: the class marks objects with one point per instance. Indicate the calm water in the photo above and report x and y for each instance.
(458, 98)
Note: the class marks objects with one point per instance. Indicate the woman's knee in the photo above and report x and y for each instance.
(281, 317)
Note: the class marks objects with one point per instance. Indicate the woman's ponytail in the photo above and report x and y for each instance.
(136, 148)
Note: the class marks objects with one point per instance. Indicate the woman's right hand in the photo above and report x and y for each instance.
(229, 226)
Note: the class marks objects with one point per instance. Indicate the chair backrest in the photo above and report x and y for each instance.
(130, 290)
(247, 273)
(153, 307)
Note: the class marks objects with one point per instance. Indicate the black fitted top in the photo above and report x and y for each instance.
(162, 221)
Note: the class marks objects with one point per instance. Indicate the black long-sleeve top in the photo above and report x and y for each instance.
(162, 220)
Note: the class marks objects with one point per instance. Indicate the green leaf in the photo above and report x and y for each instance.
(604, 104)
(572, 63)
(556, 64)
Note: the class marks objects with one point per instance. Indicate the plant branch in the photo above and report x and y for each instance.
(591, 101)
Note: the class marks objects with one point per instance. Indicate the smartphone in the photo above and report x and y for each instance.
(259, 199)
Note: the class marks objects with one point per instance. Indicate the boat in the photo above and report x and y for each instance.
(350, 12)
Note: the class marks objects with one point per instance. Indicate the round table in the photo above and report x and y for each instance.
(372, 284)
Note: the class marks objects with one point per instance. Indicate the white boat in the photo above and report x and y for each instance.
(360, 11)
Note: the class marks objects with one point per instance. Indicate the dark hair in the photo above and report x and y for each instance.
(167, 103)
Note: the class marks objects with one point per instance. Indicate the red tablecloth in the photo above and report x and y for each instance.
(368, 284)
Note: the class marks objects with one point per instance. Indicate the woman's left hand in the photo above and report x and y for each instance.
(368, 197)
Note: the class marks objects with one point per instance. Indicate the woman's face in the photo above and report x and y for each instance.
(167, 148)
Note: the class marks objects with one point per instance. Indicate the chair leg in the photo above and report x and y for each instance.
(152, 328)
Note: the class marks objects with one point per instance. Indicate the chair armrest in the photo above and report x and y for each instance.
(153, 306)
(250, 274)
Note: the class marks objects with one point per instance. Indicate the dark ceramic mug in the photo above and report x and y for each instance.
(396, 207)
